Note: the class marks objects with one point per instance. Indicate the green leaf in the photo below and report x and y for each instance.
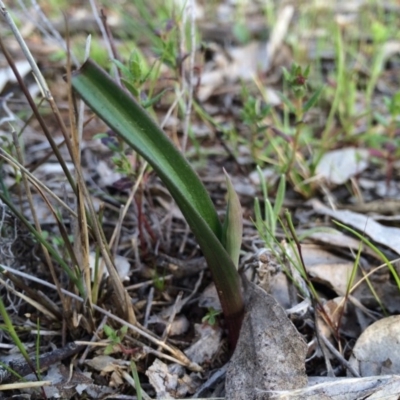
(123, 331)
(287, 74)
(9, 328)
(109, 349)
(136, 379)
(257, 214)
(100, 136)
(312, 100)
(280, 196)
(270, 221)
(287, 102)
(135, 66)
(123, 69)
(150, 102)
(131, 87)
(121, 112)
(241, 32)
(131, 122)
(233, 224)
(108, 330)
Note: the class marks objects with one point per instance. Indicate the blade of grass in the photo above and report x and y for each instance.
(280, 196)
(374, 248)
(71, 275)
(14, 336)
(135, 376)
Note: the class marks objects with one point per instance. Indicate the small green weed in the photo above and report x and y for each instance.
(211, 317)
(115, 337)
(158, 281)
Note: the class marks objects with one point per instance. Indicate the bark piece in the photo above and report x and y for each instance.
(270, 354)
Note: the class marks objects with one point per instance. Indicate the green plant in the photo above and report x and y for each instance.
(211, 317)
(9, 327)
(136, 379)
(57, 242)
(115, 338)
(282, 143)
(390, 266)
(266, 224)
(253, 114)
(386, 147)
(296, 79)
(219, 243)
(135, 76)
(158, 281)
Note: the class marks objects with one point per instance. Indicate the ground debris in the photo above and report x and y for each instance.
(270, 354)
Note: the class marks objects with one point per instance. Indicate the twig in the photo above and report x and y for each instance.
(111, 41)
(3, 105)
(175, 309)
(33, 106)
(148, 306)
(35, 181)
(38, 227)
(321, 343)
(30, 301)
(215, 377)
(180, 357)
(28, 55)
(339, 357)
(51, 32)
(94, 337)
(146, 283)
(105, 38)
(22, 368)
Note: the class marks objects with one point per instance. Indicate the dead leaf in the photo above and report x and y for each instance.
(7, 75)
(208, 344)
(63, 384)
(236, 63)
(334, 238)
(162, 380)
(209, 298)
(338, 166)
(100, 363)
(121, 263)
(279, 33)
(327, 268)
(270, 354)
(107, 174)
(178, 326)
(385, 235)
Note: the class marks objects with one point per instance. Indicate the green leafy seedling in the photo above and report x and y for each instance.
(158, 282)
(115, 337)
(211, 317)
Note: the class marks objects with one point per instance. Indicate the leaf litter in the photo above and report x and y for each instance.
(203, 344)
